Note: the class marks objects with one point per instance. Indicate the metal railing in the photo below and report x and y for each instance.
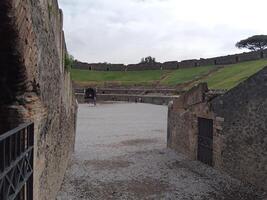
(16, 163)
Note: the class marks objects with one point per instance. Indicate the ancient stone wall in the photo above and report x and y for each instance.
(239, 127)
(206, 62)
(137, 91)
(135, 98)
(99, 66)
(144, 66)
(183, 123)
(188, 64)
(244, 110)
(172, 65)
(43, 92)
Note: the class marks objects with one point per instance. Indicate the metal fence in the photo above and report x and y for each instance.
(16, 163)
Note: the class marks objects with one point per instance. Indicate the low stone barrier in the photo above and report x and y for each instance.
(152, 99)
(136, 91)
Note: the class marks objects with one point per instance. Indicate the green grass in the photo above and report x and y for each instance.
(232, 75)
(122, 77)
(186, 75)
(218, 78)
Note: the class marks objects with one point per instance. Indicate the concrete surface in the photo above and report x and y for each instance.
(121, 153)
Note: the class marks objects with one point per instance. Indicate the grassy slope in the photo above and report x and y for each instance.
(185, 75)
(134, 77)
(232, 75)
(224, 78)
(140, 77)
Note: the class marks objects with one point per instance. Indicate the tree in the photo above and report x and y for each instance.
(148, 60)
(143, 60)
(254, 43)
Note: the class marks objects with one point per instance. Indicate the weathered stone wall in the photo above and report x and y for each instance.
(182, 122)
(144, 66)
(136, 91)
(188, 64)
(151, 99)
(172, 65)
(99, 66)
(244, 110)
(239, 127)
(206, 62)
(43, 93)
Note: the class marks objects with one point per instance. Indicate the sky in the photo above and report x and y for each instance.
(124, 31)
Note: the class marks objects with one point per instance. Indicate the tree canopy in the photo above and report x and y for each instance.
(254, 43)
(148, 60)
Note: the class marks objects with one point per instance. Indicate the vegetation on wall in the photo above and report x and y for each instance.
(50, 9)
(69, 60)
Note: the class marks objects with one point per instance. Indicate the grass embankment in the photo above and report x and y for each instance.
(123, 78)
(218, 78)
(186, 75)
(231, 75)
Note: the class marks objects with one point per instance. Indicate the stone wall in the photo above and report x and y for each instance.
(172, 65)
(137, 91)
(239, 127)
(157, 96)
(151, 99)
(36, 87)
(143, 66)
(182, 121)
(244, 110)
(188, 64)
(99, 66)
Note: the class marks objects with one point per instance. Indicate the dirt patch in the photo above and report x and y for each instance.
(107, 164)
(145, 188)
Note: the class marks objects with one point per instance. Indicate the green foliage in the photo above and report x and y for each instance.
(50, 9)
(254, 43)
(148, 60)
(69, 60)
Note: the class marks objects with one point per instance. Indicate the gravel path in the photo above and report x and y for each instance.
(121, 153)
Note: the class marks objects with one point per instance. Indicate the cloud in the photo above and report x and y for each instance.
(123, 31)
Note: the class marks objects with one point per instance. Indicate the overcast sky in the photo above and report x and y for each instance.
(123, 31)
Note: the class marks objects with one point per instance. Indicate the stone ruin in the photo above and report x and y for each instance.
(36, 87)
(225, 130)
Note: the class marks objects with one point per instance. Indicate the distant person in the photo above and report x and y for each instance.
(90, 93)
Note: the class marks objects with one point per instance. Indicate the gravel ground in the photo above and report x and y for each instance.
(121, 153)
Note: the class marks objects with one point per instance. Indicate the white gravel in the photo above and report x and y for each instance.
(121, 153)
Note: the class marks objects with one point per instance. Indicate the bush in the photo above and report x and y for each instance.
(69, 60)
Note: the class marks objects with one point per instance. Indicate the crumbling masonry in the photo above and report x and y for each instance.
(227, 131)
(36, 87)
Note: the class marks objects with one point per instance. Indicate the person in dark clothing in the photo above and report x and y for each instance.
(90, 93)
